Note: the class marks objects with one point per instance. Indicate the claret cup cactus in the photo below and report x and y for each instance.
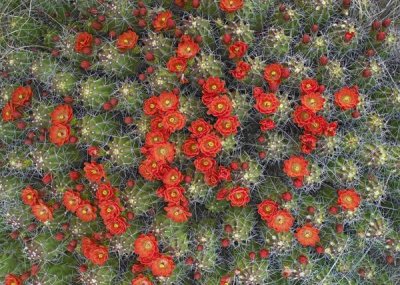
(209, 142)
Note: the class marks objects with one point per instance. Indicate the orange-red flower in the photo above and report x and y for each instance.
(98, 254)
(190, 148)
(239, 196)
(94, 172)
(177, 213)
(348, 199)
(267, 209)
(154, 137)
(8, 112)
(347, 98)
(162, 266)
(210, 145)
(150, 106)
(204, 164)
(163, 152)
(127, 41)
(199, 128)
(214, 85)
(71, 200)
(172, 177)
(59, 134)
(146, 246)
(187, 48)
(308, 143)
(12, 279)
(267, 103)
(177, 64)
(62, 114)
(160, 22)
(313, 101)
(307, 235)
(86, 212)
(42, 212)
(238, 50)
(220, 106)
(105, 192)
(109, 209)
(116, 226)
(227, 126)
(173, 121)
(29, 196)
(302, 116)
(241, 70)
(168, 101)
(230, 6)
(83, 43)
(309, 85)
(21, 96)
(296, 166)
(273, 72)
(281, 221)
(141, 280)
(173, 194)
(316, 126)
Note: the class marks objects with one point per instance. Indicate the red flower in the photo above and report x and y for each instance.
(220, 106)
(116, 226)
(267, 125)
(59, 134)
(309, 85)
(177, 64)
(267, 209)
(204, 164)
(330, 129)
(29, 196)
(211, 178)
(109, 209)
(83, 43)
(190, 148)
(214, 85)
(281, 221)
(42, 212)
(71, 200)
(347, 98)
(148, 168)
(12, 279)
(230, 6)
(227, 126)
(273, 72)
(313, 101)
(348, 199)
(308, 143)
(316, 126)
(98, 254)
(62, 114)
(199, 128)
(146, 246)
(168, 101)
(94, 172)
(105, 192)
(307, 235)
(187, 48)
(173, 121)
(162, 266)
(238, 49)
(160, 22)
(173, 194)
(267, 103)
(141, 280)
(150, 106)
(222, 194)
(239, 196)
(172, 177)
(8, 112)
(21, 96)
(210, 145)
(302, 116)
(127, 41)
(241, 70)
(154, 137)
(295, 167)
(164, 152)
(224, 173)
(177, 213)
(86, 212)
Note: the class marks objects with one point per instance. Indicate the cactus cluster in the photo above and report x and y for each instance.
(212, 142)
